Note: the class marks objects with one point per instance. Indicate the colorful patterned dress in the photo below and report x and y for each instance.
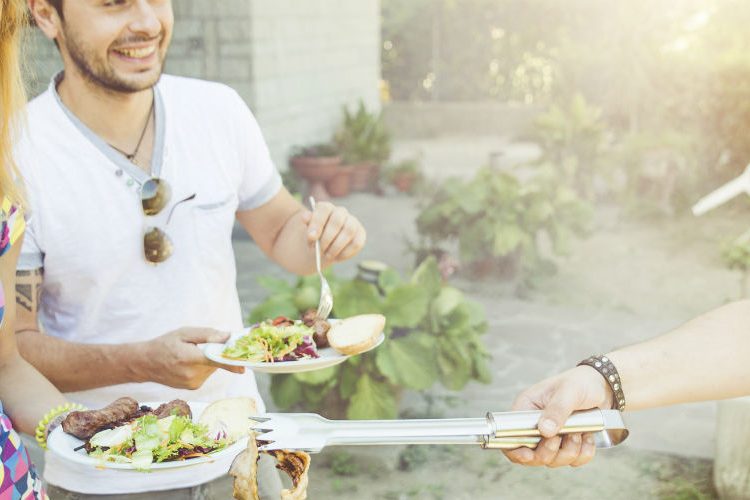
(18, 478)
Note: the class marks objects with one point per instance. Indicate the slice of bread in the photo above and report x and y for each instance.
(357, 334)
(230, 416)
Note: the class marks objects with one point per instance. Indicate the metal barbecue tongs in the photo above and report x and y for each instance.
(311, 433)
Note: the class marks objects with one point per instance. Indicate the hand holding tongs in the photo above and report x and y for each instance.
(311, 433)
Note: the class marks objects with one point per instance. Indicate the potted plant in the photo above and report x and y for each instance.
(340, 184)
(316, 164)
(499, 224)
(364, 143)
(405, 174)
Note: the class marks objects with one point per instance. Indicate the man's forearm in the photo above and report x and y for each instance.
(291, 248)
(703, 359)
(75, 367)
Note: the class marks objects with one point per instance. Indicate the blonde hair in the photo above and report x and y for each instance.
(13, 18)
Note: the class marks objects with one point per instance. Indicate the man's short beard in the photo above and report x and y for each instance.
(100, 76)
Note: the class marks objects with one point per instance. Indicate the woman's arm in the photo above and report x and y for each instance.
(26, 395)
(704, 359)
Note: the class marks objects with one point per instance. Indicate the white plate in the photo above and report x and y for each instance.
(328, 357)
(63, 445)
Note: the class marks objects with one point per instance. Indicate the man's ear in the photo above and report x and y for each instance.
(46, 17)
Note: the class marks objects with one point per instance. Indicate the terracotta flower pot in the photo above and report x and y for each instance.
(404, 182)
(362, 174)
(316, 171)
(340, 184)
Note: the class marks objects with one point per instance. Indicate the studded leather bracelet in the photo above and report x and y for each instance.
(607, 369)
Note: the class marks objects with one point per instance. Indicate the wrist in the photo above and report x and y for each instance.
(51, 420)
(602, 389)
(135, 368)
(610, 377)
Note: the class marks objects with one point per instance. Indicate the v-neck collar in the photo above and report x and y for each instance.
(157, 156)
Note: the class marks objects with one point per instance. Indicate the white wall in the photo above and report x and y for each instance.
(310, 58)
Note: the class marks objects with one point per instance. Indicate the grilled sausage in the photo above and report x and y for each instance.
(84, 424)
(176, 407)
(320, 326)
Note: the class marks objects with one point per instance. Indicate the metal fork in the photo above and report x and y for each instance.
(326, 297)
(310, 432)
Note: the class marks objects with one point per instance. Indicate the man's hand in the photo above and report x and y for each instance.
(175, 360)
(341, 235)
(581, 388)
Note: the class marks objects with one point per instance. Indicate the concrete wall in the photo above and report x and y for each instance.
(41, 61)
(296, 63)
(309, 58)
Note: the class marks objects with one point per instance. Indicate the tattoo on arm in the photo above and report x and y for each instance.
(29, 288)
(23, 296)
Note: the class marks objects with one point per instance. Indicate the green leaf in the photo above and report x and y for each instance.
(447, 300)
(482, 370)
(313, 395)
(317, 377)
(428, 277)
(474, 241)
(389, 279)
(406, 306)
(348, 377)
(458, 321)
(409, 361)
(372, 400)
(454, 363)
(477, 314)
(472, 202)
(275, 305)
(506, 239)
(275, 285)
(356, 297)
(285, 390)
(306, 298)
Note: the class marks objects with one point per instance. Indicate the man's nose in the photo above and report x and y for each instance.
(145, 21)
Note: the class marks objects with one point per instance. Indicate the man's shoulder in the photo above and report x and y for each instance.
(41, 106)
(42, 126)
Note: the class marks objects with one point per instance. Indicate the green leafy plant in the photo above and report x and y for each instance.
(292, 182)
(651, 162)
(362, 136)
(322, 150)
(736, 255)
(495, 219)
(412, 457)
(433, 335)
(572, 136)
(407, 175)
(344, 464)
(411, 166)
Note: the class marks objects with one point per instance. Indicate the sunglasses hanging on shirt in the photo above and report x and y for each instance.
(155, 195)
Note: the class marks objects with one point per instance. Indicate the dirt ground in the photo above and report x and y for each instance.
(470, 474)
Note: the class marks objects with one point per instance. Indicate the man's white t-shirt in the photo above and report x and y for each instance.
(86, 230)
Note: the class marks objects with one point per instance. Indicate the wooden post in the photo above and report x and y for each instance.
(732, 461)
